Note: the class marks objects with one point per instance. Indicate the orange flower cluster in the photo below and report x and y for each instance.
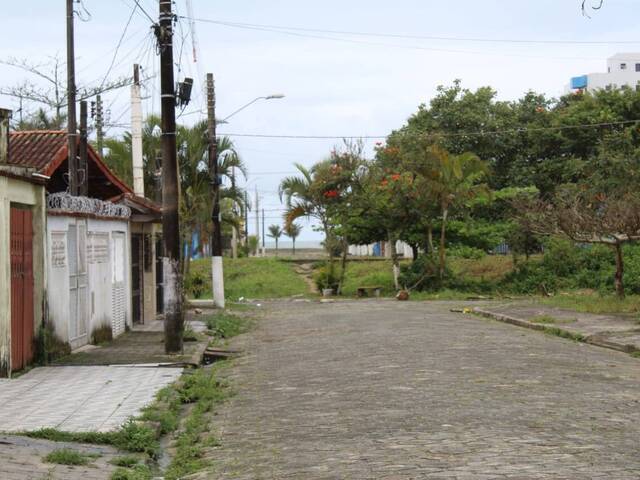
(331, 194)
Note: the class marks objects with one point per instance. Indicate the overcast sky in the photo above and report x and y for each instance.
(335, 84)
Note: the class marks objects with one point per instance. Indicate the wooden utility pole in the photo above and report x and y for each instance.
(216, 230)
(234, 229)
(264, 246)
(72, 134)
(83, 164)
(246, 218)
(174, 315)
(99, 125)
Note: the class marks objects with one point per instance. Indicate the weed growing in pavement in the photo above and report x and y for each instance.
(550, 320)
(203, 390)
(67, 456)
(132, 437)
(136, 472)
(127, 461)
(558, 332)
(227, 325)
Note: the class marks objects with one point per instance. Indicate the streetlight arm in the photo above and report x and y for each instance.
(269, 97)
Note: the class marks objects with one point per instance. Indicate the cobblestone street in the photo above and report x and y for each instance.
(389, 390)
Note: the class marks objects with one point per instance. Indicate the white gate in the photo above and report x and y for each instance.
(78, 289)
(118, 290)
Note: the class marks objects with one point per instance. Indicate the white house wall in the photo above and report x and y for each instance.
(100, 271)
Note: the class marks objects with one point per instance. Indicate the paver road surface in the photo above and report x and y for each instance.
(391, 390)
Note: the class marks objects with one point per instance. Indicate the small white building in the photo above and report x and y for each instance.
(101, 254)
(88, 268)
(623, 69)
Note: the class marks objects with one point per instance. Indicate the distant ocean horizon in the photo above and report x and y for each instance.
(303, 244)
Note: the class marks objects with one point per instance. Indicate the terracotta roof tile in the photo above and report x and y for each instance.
(36, 148)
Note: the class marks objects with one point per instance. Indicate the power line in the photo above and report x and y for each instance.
(378, 44)
(417, 37)
(456, 134)
(115, 54)
(153, 22)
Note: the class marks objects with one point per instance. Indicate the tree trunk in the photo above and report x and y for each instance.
(618, 281)
(343, 263)
(276, 247)
(442, 248)
(394, 260)
(430, 240)
(294, 245)
(414, 251)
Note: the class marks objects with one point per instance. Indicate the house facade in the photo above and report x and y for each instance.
(22, 258)
(96, 247)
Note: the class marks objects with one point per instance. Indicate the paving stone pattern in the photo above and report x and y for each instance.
(22, 458)
(79, 399)
(390, 390)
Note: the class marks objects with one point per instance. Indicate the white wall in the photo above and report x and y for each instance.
(100, 263)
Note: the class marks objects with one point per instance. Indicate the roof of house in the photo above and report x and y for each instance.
(47, 150)
(141, 204)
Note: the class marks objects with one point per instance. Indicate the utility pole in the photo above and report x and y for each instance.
(174, 316)
(257, 223)
(264, 245)
(234, 229)
(99, 125)
(158, 177)
(72, 134)
(246, 218)
(216, 230)
(136, 133)
(83, 165)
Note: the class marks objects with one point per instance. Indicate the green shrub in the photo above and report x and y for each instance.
(464, 251)
(137, 472)
(67, 456)
(324, 277)
(422, 274)
(196, 283)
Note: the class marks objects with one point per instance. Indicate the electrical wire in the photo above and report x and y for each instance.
(427, 135)
(417, 37)
(115, 54)
(390, 45)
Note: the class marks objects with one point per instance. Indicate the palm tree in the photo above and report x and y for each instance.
(275, 232)
(453, 179)
(195, 181)
(293, 231)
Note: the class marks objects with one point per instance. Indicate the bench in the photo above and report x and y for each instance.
(365, 291)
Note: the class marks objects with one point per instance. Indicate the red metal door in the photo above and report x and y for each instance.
(21, 288)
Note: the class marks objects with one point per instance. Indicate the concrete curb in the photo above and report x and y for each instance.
(597, 340)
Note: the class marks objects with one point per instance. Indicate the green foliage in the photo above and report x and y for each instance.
(227, 325)
(137, 437)
(252, 278)
(326, 277)
(195, 283)
(423, 274)
(127, 461)
(464, 251)
(67, 456)
(136, 472)
(48, 346)
(202, 389)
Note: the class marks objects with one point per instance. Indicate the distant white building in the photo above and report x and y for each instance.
(623, 69)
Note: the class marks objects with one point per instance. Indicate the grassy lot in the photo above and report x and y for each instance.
(379, 273)
(252, 278)
(588, 301)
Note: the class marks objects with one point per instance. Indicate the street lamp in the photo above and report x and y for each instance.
(275, 96)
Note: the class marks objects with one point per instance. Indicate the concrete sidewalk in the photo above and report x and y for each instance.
(618, 332)
(79, 399)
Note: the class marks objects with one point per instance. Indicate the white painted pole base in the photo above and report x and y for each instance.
(218, 281)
